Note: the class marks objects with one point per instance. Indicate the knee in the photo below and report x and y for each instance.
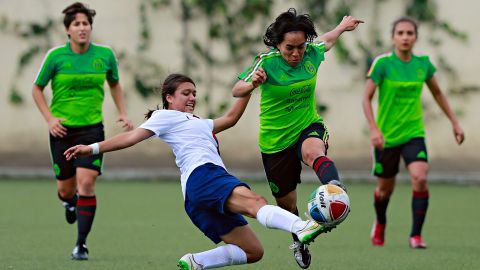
(86, 187)
(384, 193)
(257, 203)
(66, 193)
(419, 181)
(255, 254)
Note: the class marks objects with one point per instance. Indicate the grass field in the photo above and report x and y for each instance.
(142, 225)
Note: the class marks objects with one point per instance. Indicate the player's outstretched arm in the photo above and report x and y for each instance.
(229, 119)
(376, 136)
(442, 102)
(120, 141)
(348, 23)
(243, 88)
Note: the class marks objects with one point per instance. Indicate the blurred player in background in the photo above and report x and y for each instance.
(214, 200)
(77, 71)
(291, 131)
(398, 130)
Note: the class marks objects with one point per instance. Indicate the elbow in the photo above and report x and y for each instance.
(236, 92)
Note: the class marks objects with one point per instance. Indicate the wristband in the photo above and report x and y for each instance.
(95, 148)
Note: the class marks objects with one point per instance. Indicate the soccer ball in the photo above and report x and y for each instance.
(328, 205)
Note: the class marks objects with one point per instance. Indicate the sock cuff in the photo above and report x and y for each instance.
(87, 201)
(237, 255)
(420, 194)
(318, 161)
(264, 215)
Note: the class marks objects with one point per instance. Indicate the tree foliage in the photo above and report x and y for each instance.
(212, 27)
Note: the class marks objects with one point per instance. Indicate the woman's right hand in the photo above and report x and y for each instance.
(259, 77)
(376, 137)
(349, 23)
(55, 127)
(78, 151)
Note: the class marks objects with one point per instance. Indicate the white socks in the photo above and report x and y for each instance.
(274, 217)
(221, 256)
(270, 216)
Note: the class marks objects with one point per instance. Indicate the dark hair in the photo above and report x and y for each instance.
(405, 19)
(286, 22)
(72, 10)
(169, 87)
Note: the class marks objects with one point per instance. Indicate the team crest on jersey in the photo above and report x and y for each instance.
(310, 67)
(98, 64)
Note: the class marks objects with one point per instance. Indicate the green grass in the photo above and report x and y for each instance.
(142, 225)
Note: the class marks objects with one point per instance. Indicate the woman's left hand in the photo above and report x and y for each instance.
(127, 123)
(349, 23)
(458, 133)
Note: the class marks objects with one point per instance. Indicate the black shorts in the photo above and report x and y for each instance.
(82, 135)
(283, 168)
(386, 161)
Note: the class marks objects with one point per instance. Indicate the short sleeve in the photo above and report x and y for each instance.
(247, 74)
(47, 70)
(431, 69)
(210, 123)
(160, 122)
(376, 71)
(317, 52)
(112, 72)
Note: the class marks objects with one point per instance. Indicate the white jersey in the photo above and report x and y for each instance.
(191, 139)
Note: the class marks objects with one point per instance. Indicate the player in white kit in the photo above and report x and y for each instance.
(214, 200)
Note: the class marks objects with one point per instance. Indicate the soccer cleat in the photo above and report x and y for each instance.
(80, 253)
(338, 184)
(70, 212)
(301, 254)
(416, 242)
(311, 230)
(187, 262)
(378, 234)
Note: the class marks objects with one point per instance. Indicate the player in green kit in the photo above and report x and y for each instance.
(398, 130)
(291, 131)
(77, 71)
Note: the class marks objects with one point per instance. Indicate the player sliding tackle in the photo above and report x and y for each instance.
(214, 200)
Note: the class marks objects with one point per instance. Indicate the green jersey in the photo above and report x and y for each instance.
(77, 82)
(288, 103)
(400, 116)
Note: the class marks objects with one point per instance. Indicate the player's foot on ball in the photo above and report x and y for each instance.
(416, 242)
(187, 262)
(338, 184)
(378, 234)
(80, 253)
(312, 229)
(301, 254)
(70, 212)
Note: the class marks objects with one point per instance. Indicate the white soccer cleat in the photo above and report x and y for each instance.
(187, 262)
(311, 230)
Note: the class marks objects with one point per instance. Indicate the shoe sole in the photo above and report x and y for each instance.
(79, 259)
(301, 264)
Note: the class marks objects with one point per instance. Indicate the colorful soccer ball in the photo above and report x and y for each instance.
(328, 205)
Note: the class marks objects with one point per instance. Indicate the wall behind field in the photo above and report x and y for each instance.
(24, 133)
